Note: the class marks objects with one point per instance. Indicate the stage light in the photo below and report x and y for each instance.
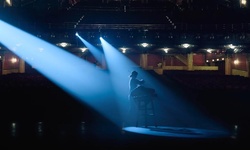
(144, 44)
(185, 45)
(83, 49)
(165, 50)
(63, 44)
(13, 60)
(123, 49)
(98, 54)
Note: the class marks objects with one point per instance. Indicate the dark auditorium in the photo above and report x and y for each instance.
(124, 74)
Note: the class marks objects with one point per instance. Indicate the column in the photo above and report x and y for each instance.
(144, 60)
(228, 67)
(2, 61)
(190, 62)
(248, 65)
(21, 66)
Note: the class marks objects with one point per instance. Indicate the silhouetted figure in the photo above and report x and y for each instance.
(134, 82)
(137, 88)
(137, 93)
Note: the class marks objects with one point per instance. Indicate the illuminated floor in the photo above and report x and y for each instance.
(178, 132)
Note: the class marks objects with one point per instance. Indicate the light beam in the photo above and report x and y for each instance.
(75, 76)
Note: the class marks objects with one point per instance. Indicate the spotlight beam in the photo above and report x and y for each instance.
(171, 107)
(75, 76)
(95, 51)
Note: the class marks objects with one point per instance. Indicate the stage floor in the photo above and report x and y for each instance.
(42, 135)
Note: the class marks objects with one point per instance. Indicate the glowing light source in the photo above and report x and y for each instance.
(236, 62)
(63, 44)
(144, 44)
(8, 2)
(209, 50)
(83, 49)
(165, 50)
(231, 46)
(123, 50)
(186, 45)
(243, 3)
(13, 60)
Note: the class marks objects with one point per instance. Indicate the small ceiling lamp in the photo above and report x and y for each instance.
(144, 44)
(124, 49)
(63, 44)
(83, 49)
(165, 50)
(186, 45)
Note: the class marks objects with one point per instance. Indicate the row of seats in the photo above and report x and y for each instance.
(19, 80)
(204, 80)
